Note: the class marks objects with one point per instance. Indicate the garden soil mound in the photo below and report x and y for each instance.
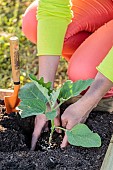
(15, 136)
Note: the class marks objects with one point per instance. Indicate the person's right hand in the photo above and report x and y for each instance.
(40, 124)
(74, 114)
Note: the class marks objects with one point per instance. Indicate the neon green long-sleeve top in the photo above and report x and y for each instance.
(53, 19)
(106, 66)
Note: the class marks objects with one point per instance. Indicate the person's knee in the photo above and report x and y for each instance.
(29, 22)
(81, 70)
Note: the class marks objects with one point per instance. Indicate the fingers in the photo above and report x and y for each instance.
(40, 122)
(67, 125)
(64, 142)
(57, 121)
(64, 122)
(46, 128)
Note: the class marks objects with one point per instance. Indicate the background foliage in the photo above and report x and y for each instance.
(10, 25)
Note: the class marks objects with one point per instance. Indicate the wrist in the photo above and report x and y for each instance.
(47, 67)
(100, 86)
(97, 90)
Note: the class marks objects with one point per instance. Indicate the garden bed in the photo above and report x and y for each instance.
(15, 136)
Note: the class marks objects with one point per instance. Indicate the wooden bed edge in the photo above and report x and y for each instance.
(5, 92)
(108, 159)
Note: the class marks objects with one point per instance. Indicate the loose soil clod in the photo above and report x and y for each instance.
(1, 102)
(15, 136)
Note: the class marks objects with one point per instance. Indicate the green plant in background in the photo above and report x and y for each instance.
(11, 25)
(36, 96)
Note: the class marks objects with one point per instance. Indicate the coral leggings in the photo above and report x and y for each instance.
(87, 41)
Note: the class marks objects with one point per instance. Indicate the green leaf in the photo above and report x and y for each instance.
(41, 86)
(81, 85)
(54, 96)
(66, 90)
(51, 115)
(47, 85)
(32, 107)
(33, 102)
(81, 135)
(30, 91)
(70, 89)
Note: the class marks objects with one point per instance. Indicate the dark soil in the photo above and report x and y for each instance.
(15, 136)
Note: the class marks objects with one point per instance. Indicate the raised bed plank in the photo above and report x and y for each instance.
(108, 160)
(5, 92)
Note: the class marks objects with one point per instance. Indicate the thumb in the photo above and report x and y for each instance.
(57, 121)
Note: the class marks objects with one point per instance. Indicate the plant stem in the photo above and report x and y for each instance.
(58, 105)
(52, 130)
(57, 127)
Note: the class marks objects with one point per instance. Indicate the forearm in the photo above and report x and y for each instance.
(48, 67)
(53, 19)
(97, 90)
(100, 86)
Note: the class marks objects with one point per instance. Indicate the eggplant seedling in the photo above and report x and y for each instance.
(35, 97)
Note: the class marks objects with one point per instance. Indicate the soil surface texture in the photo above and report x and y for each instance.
(15, 154)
